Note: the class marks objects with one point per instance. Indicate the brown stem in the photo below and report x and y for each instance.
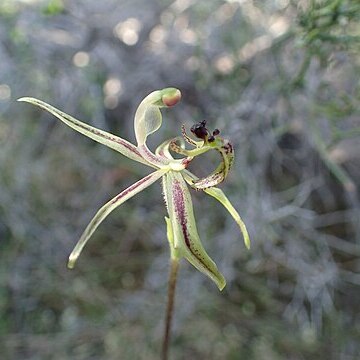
(170, 306)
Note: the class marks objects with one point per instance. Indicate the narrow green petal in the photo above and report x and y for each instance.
(114, 142)
(185, 235)
(108, 208)
(222, 198)
(151, 158)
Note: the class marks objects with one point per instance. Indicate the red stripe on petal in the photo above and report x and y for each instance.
(179, 202)
(180, 210)
(131, 188)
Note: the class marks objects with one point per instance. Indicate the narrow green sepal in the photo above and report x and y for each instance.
(148, 117)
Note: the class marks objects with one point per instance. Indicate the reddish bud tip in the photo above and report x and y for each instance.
(171, 99)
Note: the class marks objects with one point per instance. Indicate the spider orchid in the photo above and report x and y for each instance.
(182, 233)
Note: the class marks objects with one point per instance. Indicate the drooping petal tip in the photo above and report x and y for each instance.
(171, 97)
(106, 209)
(24, 99)
(71, 261)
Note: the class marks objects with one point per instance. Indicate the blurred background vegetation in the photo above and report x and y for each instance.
(281, 79)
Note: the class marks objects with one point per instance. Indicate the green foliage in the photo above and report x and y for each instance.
(53, 7)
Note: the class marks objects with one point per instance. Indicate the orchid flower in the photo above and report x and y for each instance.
(182, 233)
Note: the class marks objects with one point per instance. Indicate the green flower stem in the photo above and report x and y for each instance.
(174, 267)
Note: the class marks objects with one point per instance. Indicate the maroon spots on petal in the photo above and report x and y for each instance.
(153, 158)
(179, 202)
(228, 147)
(186, 162)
